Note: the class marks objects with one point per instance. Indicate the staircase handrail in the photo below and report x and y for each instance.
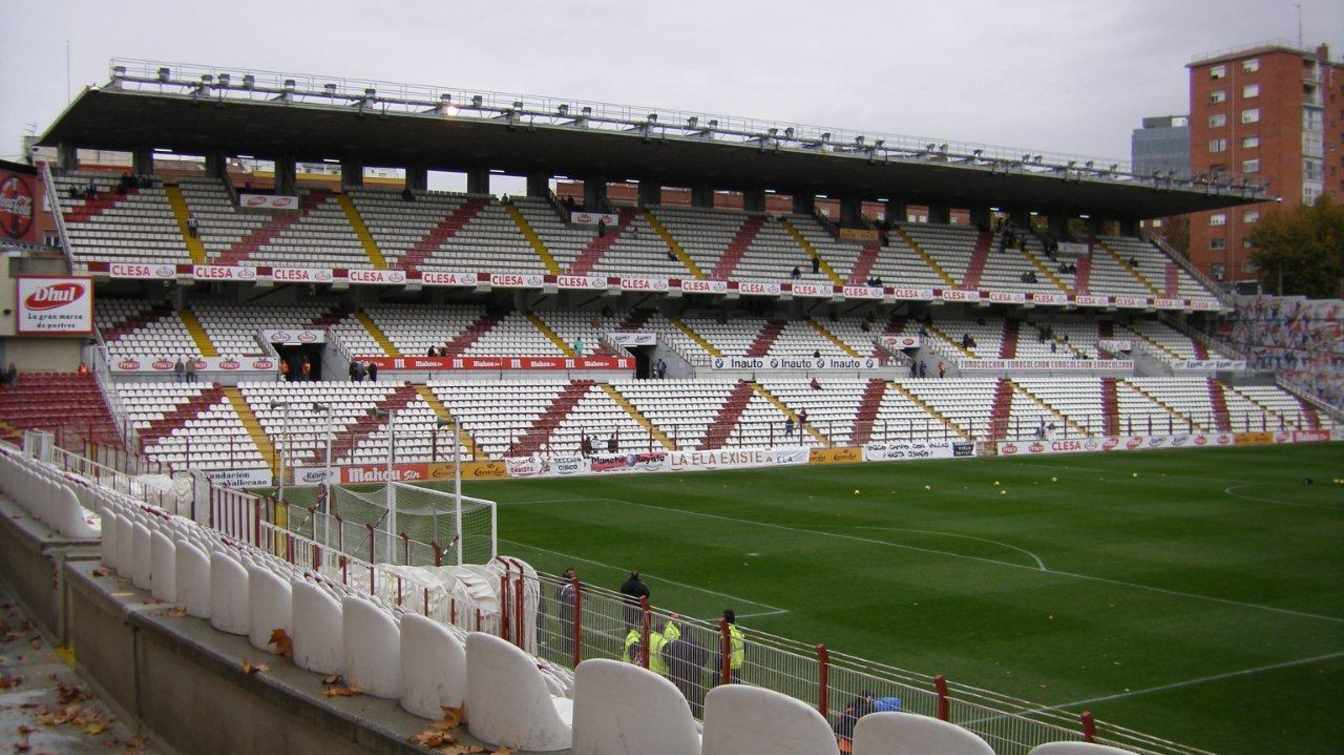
(830, 226)
(1212, 344)
(102, 376)
(54, 202)
(1304, 393)
(1185, 264)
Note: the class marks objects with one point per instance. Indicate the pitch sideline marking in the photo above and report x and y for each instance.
(981, 559)
(1193, 682)
(1039, 563)
(773, 610)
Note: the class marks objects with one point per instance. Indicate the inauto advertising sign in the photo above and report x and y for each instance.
(54, 305)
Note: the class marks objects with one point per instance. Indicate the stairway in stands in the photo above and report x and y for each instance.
(444, 230)
(1219, 403)
(280, 221)
(1084, 274)
(1110, 406)
(560, 407)
(978, 260)
(65, 402)
(737, 247)
(350, 436)
(1309, 413)
(463, 341)
(1201, 351)
(180, 414)
(102, 202)
(731, 411)
(858, 276)
(869, 406)
(598, 245)
(137, 321)
(765, 339)
(1002, 410)
(1172, 285)
(1011, 330)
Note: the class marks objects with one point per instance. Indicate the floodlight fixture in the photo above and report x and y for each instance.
(165, 74)
(713, 122)
(224, 80)
(330, 89)
(289, 85)
(476, 101)
(692, 121)
(249, 81)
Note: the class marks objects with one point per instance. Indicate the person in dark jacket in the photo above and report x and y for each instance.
(373, 372)
(565, 596)
(633, 589)
(686, 659)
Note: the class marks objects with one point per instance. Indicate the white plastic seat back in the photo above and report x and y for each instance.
(622, 709)
(229, 610)
(433, 667)
(317, 629)
(1077, 748)
(163, 567)
(142, 564)
(910, 734)
(508, 702)
(270, 606)
(742, 720)
(125, 547)
(372, 642)
(192, 579)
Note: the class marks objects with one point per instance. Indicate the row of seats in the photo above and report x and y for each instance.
(454, 232)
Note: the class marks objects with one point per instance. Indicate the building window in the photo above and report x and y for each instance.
(1250, 216)
(1250, 66)
(1250, 166)
(1217, 72)
(1247, 244)
(1309, 194)
(1217, 243)
(1157, 222)
(1217, 120)
(1218, 270)
(1217, 145)
(1250, 90)
(1250, 115)
(1217, 96)
(1218, 218)
(1250, 142)
(1312, 119)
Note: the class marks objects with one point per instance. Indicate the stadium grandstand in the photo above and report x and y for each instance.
(269, 296)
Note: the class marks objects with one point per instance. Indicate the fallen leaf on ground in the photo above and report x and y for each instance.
(71, 693)
(332, 679)
(431, 738)
(174, 613)
(284, 646)
(99, 572)
(342, 692)
(251, 668)
(452, 718)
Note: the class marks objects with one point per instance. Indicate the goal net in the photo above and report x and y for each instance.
(369, 524)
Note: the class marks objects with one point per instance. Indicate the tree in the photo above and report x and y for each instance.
(1176, 230)
(1300, 251)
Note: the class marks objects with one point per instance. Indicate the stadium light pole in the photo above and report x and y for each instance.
(280, 494)
(457, 487)
(326, 475)
(391, 416)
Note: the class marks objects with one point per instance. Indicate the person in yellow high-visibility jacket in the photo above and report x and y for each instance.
(737, 649)
(657, 640)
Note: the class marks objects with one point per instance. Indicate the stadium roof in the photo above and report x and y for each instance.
(194, 110)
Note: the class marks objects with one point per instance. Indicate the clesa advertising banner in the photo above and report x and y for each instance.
(54, 305)
(917, 449)
(1110, 443)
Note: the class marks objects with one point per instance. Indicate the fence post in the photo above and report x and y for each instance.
(406, 549)
(944, 705)
(372, 559)
(725, 652)
(1089, 726)
(438, 553)
(644, 628)
(504, 604)
(518, 609)
(823, 681)
(578, 620)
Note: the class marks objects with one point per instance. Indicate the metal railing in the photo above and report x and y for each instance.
(420, 100)
(54, 202)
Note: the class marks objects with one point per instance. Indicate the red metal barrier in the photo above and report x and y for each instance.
(645, 619)
(578, 620)
(725, 652)
(1089, 726)
(823, 681)
(944, 705)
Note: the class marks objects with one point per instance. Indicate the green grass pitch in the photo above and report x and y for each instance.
(1197, 595)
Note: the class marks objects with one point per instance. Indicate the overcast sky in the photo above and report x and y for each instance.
(1058, 75)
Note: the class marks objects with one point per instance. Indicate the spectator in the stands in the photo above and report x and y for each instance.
(193, 226)
(1133, 262)
(816, 265)
(359, 372)
(354, 369)
(306, 369)
(816, 384)
(373, 372)
(634, 590)
(407, 195)
(433, 352)
(670, 256)
(191, 370)
(941, 371)
(788, 427)
(12, 374)
(796, 273)
(91, 191)
(180, 370)
(1052, 347)
(923, 369)
(816, 353)
(578, 346)
(601, 228)
(866, 325)
(613, 443)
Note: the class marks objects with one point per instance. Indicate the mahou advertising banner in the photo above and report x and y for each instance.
(54, 305)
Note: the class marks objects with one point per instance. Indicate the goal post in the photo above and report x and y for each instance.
(372, 522)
